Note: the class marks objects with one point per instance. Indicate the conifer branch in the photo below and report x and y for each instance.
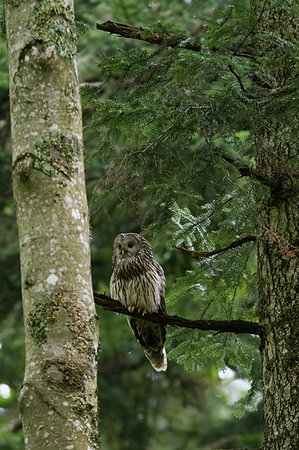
(247, 171)
(222, 326)
(237, 76)
(234, 244)
(154, 37)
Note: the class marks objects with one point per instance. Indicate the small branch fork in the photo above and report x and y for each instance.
(234, 244)
(221, 326)
(132, 32)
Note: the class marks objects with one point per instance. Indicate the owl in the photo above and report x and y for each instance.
(138, 282)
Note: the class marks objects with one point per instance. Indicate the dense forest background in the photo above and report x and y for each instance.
(150, 168)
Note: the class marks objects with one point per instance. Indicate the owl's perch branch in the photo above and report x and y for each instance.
(222, 326)
(139, 33)
(234, 244)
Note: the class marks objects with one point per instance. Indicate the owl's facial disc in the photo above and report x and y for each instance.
(127, 246)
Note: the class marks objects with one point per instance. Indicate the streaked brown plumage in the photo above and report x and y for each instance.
(138, 282)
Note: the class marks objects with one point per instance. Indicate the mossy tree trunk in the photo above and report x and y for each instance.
(58, 400)
(278, 229)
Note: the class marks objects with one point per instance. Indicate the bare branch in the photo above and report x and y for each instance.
(98, 84)
(222, 326)
(234, 244)
(132, 32)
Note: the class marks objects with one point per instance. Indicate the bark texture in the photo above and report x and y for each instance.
(278, 242)
(58, 400)
(129, 31)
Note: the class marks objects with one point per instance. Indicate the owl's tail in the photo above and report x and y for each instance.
(157, 359)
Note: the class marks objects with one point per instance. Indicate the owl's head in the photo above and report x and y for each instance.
(127, 246)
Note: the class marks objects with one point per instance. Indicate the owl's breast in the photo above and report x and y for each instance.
(142, 291)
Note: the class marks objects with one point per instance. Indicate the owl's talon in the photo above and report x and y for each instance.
(131, 308)
(144, 312)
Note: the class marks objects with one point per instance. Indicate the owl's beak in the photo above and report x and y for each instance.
(122, 251)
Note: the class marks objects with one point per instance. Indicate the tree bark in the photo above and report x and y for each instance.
(58, 399)
(129, 31)
(278, 240)
(221, 326)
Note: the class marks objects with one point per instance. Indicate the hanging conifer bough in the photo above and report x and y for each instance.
(204, 131)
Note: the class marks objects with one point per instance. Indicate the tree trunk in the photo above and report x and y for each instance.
(277, 251)
(58, 400)
(278, 278)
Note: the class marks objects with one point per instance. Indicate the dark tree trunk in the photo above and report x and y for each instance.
(278, 277)
(278, 235)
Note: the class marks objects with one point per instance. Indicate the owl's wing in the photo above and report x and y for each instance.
(112, 286)
(160, 271)
(162, 306)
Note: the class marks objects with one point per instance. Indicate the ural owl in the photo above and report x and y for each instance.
(138, 282)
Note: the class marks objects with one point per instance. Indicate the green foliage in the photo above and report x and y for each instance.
(156, 125)
(164, 134)
(81, 27)
(164, 118)
(2, 22)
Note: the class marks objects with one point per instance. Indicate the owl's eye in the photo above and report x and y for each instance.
(130, 244)
(119, 246)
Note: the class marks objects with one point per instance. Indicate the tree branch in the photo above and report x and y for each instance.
(222, 326)
(132, 32)
(234, 244)
(237, 76)
(247, 171)
(98, 84)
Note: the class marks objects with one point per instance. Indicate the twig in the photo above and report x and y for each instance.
(132, 32)
(222, 326)
(234, 244)
(237, 77)
(98, 84)
(251, 29)
(212, 212)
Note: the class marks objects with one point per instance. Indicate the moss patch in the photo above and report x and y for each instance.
(53, 23)
(46, 313)
(83, 410)
(55, 153)
(37, 322)
(66, 374)
(15, 3)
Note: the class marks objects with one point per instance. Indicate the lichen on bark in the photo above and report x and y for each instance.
(37, 322)
(56, 153)
(53, 23)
